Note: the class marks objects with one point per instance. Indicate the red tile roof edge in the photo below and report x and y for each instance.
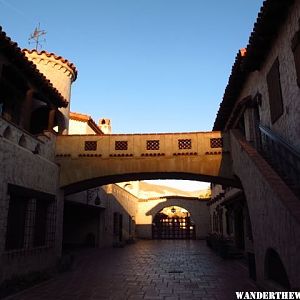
(12, 50)
(51, 54)
(79, 117)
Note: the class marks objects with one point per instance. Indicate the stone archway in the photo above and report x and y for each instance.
(173, 222)
(149, 208)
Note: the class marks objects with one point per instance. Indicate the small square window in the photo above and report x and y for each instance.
(153, 145)
(121, 145)
(216, 143)
(90, 145)
(185, 144)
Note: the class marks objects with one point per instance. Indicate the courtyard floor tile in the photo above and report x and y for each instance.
(147, 269)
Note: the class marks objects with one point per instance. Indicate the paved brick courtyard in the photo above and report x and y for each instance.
(157, 270)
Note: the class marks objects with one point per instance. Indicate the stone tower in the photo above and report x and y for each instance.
(61, 74)
(105, 126)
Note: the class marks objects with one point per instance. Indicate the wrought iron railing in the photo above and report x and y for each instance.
(282, 156)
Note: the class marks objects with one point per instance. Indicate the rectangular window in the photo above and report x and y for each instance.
(216, 143)
(31, 220)
(121, 145)
(153, 145)
(275, 94)
(15, 234)
(185, 144)
(90, 145)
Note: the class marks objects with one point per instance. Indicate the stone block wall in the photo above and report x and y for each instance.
(27, 162)
(288, 125)
(273, 210)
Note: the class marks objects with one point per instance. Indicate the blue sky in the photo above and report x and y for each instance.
(148, 65)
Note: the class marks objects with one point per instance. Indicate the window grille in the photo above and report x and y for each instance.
(31, 221)
(185, 144)
(153, 145)
(216, 143)
(40, 224)
(51, 223)
(90, 145)
(121, 145)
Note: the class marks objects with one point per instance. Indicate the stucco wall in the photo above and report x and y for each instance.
(60, 74)
(77, 127)
(203, 159)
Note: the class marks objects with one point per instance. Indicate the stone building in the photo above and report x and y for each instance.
(260, 111)
(259, 219)
(30, 201)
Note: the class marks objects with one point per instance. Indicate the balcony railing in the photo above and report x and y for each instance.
(284, 158)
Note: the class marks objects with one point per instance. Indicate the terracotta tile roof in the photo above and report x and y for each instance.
(60, 58)
(272, 15)
(79, 117)
(15, 54)
(85, 118)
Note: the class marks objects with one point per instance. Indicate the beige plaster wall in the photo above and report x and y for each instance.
(77, 127)
(106, 160)
(60, 74)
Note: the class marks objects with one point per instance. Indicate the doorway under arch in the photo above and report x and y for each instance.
(173, 223)
(275, 270)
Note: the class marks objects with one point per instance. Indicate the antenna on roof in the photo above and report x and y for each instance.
(35, 37)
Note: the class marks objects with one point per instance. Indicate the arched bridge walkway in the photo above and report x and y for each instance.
(92, 160)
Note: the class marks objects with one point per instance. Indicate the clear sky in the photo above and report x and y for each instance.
(148, 65)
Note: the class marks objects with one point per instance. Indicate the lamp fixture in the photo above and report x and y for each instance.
(90, 196)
